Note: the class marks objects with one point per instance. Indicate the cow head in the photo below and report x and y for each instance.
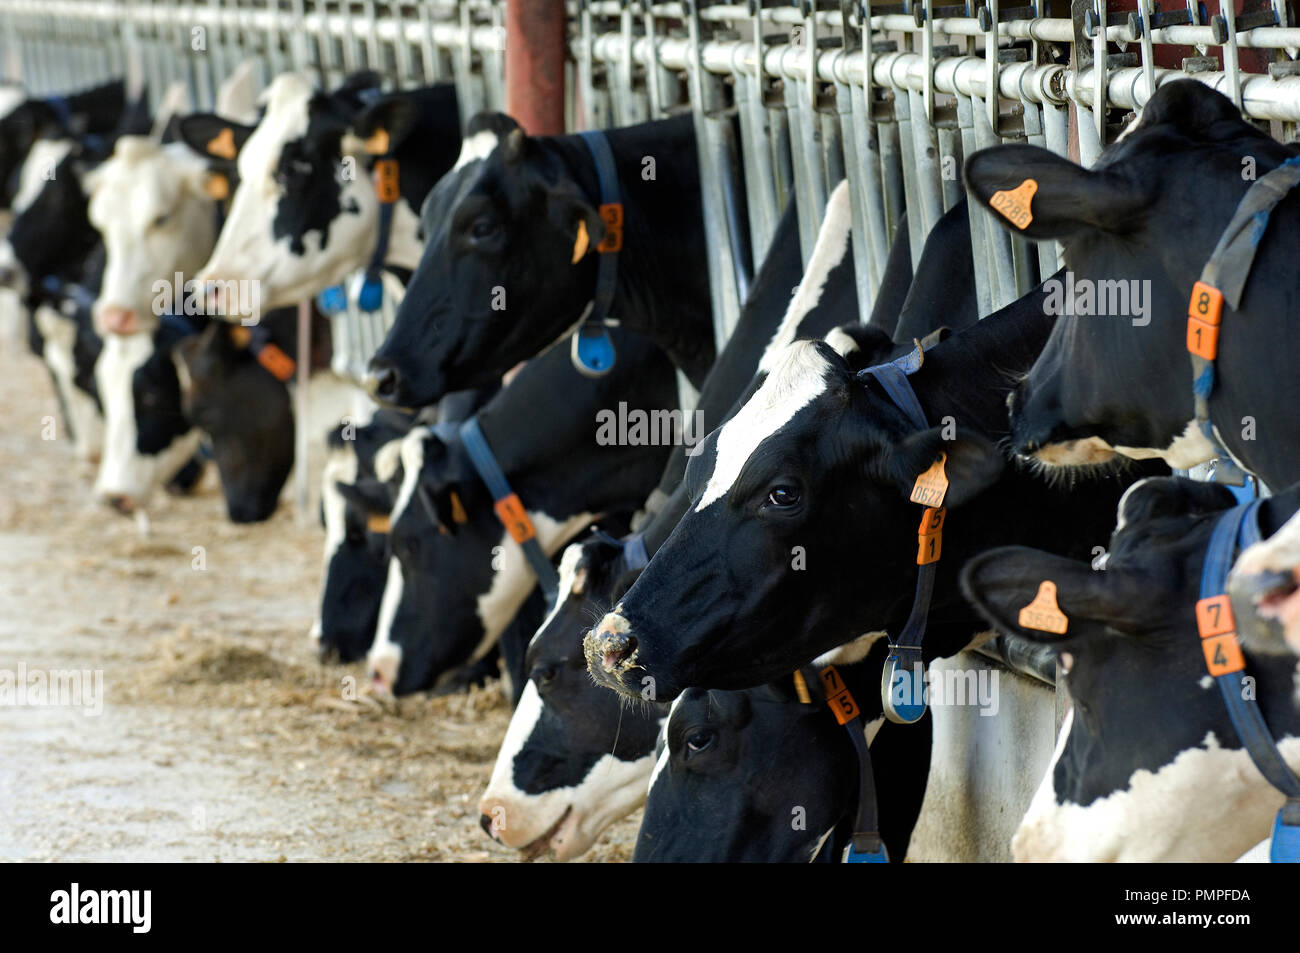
(1116, 376)
(357, 499)
(575, 758)
(1265, 589)
(453, 565)
(305, 214)
(503, 273)
(51, 233)
(1148, 766)
(798, 502)
(248, 416)
(148, 437)
(22, 125)
(151, 206)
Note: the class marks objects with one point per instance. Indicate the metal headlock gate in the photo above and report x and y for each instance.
(788, 98)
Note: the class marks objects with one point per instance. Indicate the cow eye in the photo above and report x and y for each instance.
(483, 230)
(783, 496)
(699, 740)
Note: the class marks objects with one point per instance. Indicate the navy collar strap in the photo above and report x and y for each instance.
(632, 550)
(592, 348)
(1239, 528)
(1223, 280)
(902, 686)
(509, 509)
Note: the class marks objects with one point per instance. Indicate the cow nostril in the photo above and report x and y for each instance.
(122, 503)
(485, 822)
(327, 653)
(616, 650)
(382, 381)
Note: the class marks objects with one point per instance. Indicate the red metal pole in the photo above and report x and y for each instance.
(535, 53)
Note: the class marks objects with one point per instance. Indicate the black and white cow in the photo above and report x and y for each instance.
(1265, 582)
(362, 464)
(23, 122)
(305, 213)
(758, 776)
(801, 536)
(1137, 228)
(498, 280)
(453, 561)
(1148, 766)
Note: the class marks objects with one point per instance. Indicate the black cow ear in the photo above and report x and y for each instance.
(969, 463)
(370, 496)
(384, 125)
(860, 345)
(212, 136)
(1051, 599)
(1043, 195)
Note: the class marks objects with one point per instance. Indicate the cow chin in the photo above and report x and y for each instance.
(1088, 452)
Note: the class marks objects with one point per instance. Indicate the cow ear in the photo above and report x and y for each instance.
(385, 124)
(971, 463)
(572, 215)
(1042, 195)
(213, 137)
(1051, 599)
(369, 496)
(860, 345)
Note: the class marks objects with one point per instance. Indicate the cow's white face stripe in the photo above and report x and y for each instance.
(385, 655)
(568, 575)
(797, 378)
(831, 247)
(38, 170)
(661, 762)
(412, 457)
(11, 97)
(1208, 804)
(513, 578)
(477, 146)
(340, 467)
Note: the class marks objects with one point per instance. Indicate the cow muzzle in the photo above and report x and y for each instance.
(611, 651)
(114, 319)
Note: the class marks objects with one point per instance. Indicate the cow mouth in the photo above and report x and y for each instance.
(530, 852)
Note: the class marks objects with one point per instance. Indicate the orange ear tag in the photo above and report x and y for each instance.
(458, 514)
(223, 144)
(377, 143)
(377, 523)
(386, 181)
(580, 243)
(611, 213)
(1204, 313)
(216, 186)
(280, 365)
(1043, 613)
(510, 511)
(1014, 203)
(932, 485)
(240, 335)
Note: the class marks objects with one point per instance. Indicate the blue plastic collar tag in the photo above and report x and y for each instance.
(592, 350)
(1286, 842)
(371, 297)
(902, 687)
(854, 856)
(333, 300)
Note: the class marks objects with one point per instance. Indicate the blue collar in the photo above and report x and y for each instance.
(902, 687)
(1239, 527)
(509, 509)
(592, 348)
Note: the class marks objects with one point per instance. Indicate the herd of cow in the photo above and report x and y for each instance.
(875, 491)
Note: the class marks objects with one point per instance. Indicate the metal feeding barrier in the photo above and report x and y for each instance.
(788, 97)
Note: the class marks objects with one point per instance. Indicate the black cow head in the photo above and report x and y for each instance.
(498, 280)
(1137, 229)
(248, 415)
(1149, 766)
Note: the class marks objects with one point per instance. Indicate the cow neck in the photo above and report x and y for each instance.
(1223, 278)
(968, 375)
(832, 689)
(1239, 528)
(660, 238)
